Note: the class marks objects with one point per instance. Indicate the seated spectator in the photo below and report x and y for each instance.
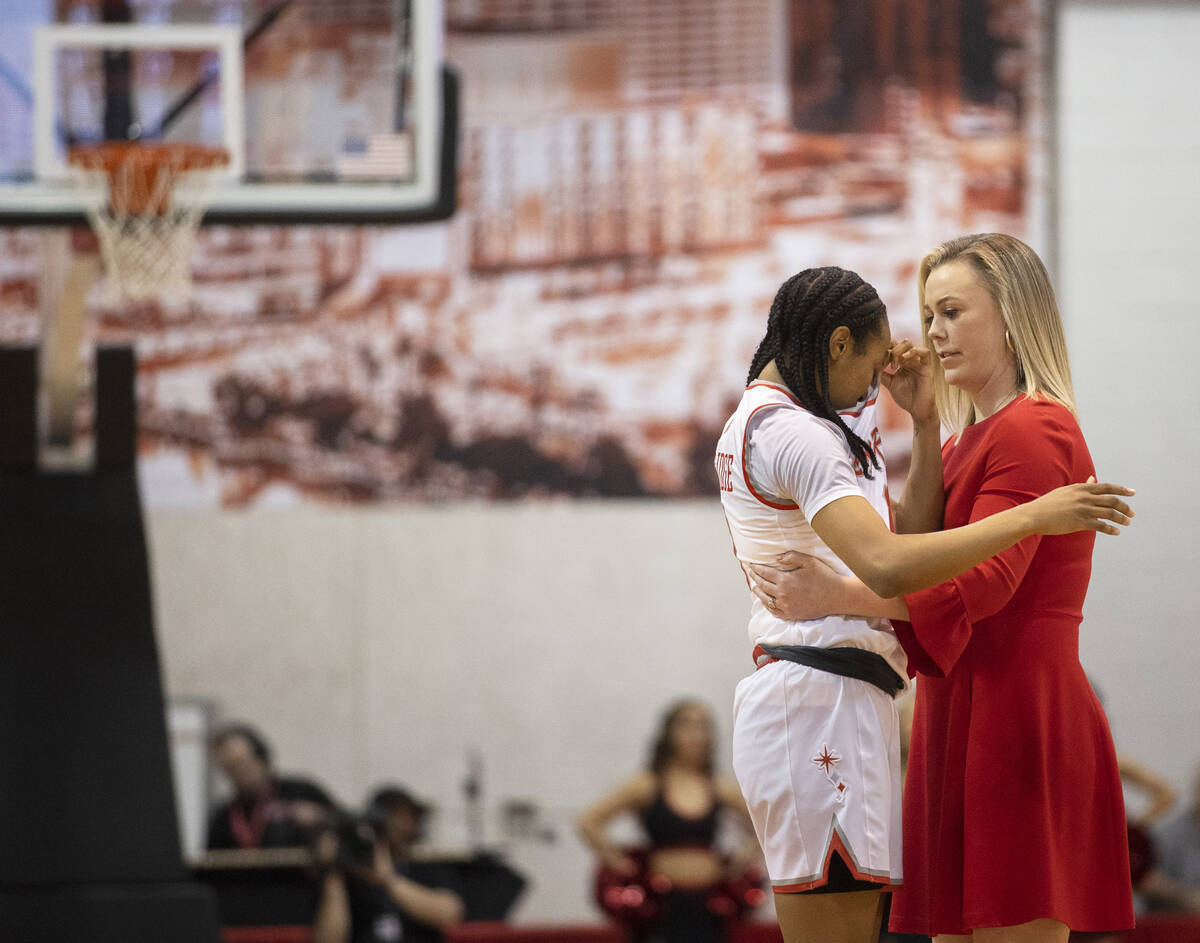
(266, 810)
(372, 891)
(1174, 883)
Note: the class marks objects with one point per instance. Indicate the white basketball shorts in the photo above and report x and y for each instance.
(817, 757)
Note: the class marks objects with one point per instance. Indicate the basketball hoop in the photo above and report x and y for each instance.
(156, 194)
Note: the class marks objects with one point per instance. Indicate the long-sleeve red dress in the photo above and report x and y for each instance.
(1012, 808)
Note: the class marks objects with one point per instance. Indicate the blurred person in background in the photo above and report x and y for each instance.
(1174, 882)
(266, 810)
(1158, 795)
(678, 800)
(371, 888)
(904, 714)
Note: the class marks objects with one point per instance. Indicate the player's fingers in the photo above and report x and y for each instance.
(896, 359)
(752, 579)
(794, 560)
(791, 560)
(1118, 505)
(764, 597)
(764, 575)
(1112, 514)
(1107, 487)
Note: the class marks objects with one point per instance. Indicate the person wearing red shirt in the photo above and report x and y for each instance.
(1014, 823)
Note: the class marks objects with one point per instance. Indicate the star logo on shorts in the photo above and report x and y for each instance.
(826, 759)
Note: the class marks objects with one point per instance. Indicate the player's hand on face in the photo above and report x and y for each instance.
(1089, 506)
(908, 377)
(797, 587)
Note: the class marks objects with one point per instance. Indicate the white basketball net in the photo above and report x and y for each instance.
(147, 254)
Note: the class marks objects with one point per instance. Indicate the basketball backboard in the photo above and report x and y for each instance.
(331, 110)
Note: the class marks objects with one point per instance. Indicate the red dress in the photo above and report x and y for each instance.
(1013, 808)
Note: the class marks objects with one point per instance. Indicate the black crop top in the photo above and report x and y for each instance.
(666, 828)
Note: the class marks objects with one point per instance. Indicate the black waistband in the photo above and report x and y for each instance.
(845, 661)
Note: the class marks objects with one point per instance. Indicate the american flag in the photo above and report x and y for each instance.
(387, 157)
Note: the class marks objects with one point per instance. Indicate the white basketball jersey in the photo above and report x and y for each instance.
(778, 465)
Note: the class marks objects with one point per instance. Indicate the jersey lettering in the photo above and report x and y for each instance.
(876, 443)
(724, 463)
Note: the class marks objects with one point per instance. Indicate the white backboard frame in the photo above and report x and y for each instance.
(53, 197)
(48, 40)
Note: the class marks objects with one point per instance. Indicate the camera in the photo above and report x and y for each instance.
(355, 837)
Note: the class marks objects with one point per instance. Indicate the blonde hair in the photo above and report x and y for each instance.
(1017, 280)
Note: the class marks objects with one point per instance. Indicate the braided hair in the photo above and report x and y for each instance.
(806, 311)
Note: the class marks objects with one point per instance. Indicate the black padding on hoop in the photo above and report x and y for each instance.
(447, 199)
(18, 408)
(118, 70)
(110, 913)
(88, 830)
(116, 407)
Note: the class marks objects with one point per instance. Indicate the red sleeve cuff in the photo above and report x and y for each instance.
(937, 630)
(918, 661)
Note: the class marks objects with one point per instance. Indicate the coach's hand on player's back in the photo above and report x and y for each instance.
(812, 590)
(1092, 505)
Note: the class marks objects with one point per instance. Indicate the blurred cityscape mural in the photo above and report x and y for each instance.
(636, 179)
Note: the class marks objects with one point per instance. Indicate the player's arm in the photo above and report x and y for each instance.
(809, 466)
(921, 507)
(908, 379)
(803, 587)
(896, 564)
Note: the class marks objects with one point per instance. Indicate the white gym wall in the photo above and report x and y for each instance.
(549, 636)
(1128, 204)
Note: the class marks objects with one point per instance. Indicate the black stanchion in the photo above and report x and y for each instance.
(89, 846)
